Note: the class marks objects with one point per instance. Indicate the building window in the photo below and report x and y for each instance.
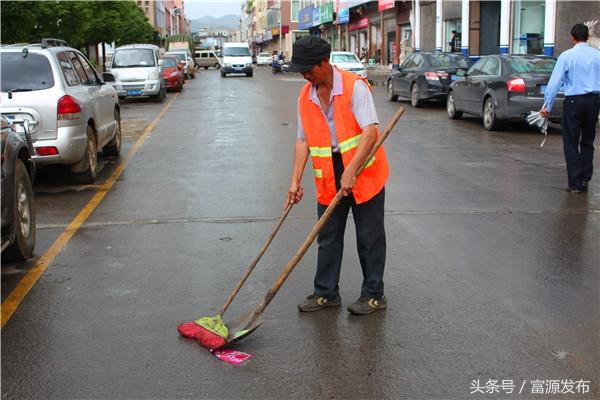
(528, 27)
(295, 9)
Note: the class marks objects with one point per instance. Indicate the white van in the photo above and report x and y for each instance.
(137, 72)
(236, 58)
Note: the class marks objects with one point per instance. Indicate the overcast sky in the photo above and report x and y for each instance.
(199, 8)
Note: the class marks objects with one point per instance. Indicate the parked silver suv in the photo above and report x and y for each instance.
(72, 112)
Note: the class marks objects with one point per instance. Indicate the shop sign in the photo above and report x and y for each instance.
(285, 29)
(305, 18)
(386, 4)
(362, 23)
(342, 16)
(316, 16)
(275, 31)
(267, 35)
(326, 13)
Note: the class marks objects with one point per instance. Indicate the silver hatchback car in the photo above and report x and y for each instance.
(72, 112)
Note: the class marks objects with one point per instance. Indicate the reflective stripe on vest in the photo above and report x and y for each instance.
(350, 144)
(318, 173)
(320, 151)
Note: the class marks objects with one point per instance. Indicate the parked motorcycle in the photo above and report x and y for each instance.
(279, 67)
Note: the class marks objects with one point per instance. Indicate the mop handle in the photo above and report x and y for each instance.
(256, 260)
(317, 228)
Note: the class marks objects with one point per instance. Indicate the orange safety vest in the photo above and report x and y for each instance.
(373, 178)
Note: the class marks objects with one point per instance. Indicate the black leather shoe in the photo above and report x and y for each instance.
(576, 190)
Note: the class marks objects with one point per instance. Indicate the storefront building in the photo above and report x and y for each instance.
(499, 27)
(386, 31)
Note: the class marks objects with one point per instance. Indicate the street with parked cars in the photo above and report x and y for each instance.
(168, 226)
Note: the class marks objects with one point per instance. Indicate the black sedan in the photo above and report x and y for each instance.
(503, 87)
(425, 76)
(18, 173)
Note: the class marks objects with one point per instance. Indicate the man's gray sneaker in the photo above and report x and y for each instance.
(366, 305)
(316, 303)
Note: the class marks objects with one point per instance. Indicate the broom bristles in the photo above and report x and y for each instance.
(202, 335)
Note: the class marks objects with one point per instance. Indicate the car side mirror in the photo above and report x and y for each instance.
(108, 77)
(160, 63)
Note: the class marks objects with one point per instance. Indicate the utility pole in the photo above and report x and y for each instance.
(280, 33)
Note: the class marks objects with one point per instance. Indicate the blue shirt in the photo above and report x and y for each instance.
(578, 69)
(363, 106)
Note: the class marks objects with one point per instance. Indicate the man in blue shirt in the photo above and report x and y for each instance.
(578, 70)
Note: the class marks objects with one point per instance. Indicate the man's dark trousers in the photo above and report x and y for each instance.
(370, 237)
(580, 115)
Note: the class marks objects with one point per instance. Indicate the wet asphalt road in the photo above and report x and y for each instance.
(492, 268)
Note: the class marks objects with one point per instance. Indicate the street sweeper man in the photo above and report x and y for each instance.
(337, 127)
(578, 69)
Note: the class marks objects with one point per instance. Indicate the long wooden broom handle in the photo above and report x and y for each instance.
(256, 260)
(317, 228)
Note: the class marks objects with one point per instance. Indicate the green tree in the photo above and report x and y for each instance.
(80, 23)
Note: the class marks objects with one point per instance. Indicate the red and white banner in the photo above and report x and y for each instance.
(386, 4)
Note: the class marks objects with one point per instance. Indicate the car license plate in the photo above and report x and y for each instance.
(134, 92)
(543, 89)
(454, 77)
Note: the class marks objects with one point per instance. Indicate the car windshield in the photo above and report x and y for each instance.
(128, 58)
(344, 58)
(169, 62)
(32, 72)
(236, 52)
(180, 56)
(532, 64)
(448, 61)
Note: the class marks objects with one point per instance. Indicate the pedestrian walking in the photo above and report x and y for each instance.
(337, 127)
(578, 70)
(452, 43)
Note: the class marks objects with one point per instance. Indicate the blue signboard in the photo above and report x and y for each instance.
(343, 16)
(316, 16)
(305, 18)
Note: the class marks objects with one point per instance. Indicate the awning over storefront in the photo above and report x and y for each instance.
(362, 23)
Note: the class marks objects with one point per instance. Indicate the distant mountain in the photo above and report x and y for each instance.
(225, 22)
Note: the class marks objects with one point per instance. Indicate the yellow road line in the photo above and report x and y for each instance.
(14, 299)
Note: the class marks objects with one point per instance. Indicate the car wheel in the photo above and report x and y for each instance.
(205, 68)
(223, 74)
(451, 107)
(490, 122)
(390, 91)
(249, 74)
(113, 148)
(217, 65)
(23, 217)
(90, 159)
(161, 95)
(414, 95)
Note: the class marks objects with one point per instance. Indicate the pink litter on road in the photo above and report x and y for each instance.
(231, 356)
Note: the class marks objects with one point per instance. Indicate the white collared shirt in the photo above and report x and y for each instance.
(363, 106)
